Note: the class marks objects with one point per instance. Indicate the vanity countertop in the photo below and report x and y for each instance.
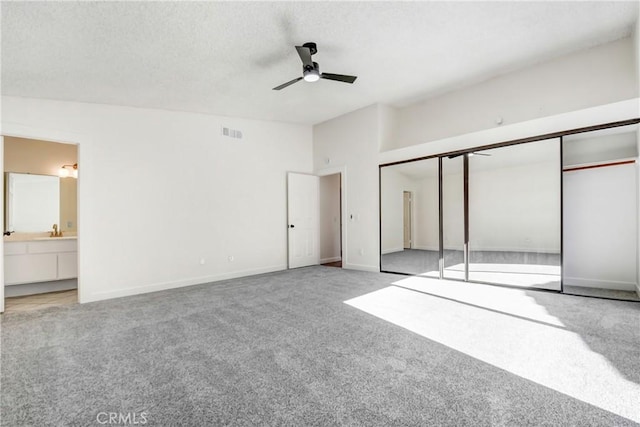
(55, 238)
(28, 237)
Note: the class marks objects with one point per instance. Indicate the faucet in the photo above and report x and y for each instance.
(55, 232)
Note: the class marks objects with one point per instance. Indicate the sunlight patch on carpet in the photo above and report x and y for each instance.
(521, 275)
(508, 329)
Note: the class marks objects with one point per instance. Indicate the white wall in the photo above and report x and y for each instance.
(388, 120)
(160, 191)
(330, 218)
(515, 208)
(596, 76)
(351, 142)
(617, 111)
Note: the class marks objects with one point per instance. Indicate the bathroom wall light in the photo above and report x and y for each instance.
(68, 170)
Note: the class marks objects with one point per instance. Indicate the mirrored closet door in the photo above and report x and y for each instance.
(514, 215)
(488, 216)
(409, 218)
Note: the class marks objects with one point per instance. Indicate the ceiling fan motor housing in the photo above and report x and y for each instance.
(307, 68)
(313, 49)
(311, 74)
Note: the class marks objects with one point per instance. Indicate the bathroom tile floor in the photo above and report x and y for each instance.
(40, 301)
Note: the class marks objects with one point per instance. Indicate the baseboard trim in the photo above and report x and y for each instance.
(602, 284)
(525, 250)
(392, 250)
(638, 290)
(426, 248)
(332, 259)
(162, 286)
(359, 267)
(497, 249)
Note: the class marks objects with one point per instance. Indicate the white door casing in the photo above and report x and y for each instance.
(303, 212)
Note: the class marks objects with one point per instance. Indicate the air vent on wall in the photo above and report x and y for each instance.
(232, 133)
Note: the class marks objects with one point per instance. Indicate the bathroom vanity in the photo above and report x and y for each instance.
(42, 259)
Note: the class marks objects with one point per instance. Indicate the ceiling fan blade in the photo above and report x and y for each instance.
(282, 86)
(305, 55)
(470, 154)
(339, 77)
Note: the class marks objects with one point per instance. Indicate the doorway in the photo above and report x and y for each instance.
(331, 220)
(315, 219)
(40, 224)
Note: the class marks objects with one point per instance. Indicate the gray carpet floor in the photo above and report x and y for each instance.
(282, 349)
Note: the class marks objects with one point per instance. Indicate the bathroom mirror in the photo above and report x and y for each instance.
(32, 202)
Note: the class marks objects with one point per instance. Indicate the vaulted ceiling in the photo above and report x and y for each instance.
(225, 57)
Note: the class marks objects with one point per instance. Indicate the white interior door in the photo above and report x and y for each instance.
(303, 212)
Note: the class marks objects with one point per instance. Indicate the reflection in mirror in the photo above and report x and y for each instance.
(514, 215)
(453, 217)
(32, 202)
(409, 218)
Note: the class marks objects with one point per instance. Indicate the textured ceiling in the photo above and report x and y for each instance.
(224, 57)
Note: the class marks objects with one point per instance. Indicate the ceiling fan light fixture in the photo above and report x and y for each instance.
(311, 76)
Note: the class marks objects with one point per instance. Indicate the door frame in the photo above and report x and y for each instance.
(17, 130)
(342, 170)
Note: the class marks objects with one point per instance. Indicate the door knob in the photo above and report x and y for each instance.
(292, 226)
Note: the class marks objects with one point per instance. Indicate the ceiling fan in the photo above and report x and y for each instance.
(311, 70)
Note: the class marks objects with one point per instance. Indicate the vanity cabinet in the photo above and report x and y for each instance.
(40, 261)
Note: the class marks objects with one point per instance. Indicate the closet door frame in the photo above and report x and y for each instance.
(465, 153)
